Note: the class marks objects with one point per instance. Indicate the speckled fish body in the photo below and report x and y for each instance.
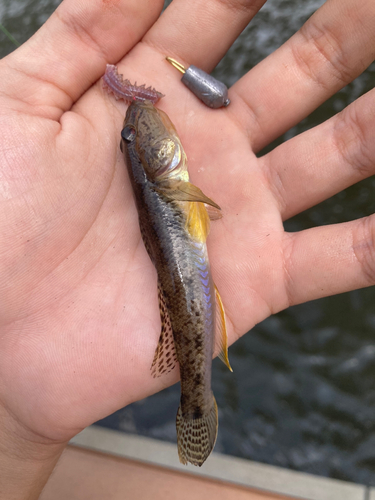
(174, 225)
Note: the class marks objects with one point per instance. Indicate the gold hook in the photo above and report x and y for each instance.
(176, 64)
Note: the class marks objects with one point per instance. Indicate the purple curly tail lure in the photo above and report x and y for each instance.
(123, 89)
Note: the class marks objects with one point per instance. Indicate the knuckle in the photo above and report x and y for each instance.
(246, 6)
(276, 185)
(80, 30)
(364, 247)
(320, 56)
(290, 294)
(352, 140)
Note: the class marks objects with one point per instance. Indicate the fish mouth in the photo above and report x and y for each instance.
(135, 110)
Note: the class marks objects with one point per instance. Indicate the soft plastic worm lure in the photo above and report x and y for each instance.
(123, 89)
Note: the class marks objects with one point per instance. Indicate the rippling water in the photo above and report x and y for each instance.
(302, 394)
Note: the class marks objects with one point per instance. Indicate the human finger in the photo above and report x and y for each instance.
(323, 161)
(70, 52)
(328, 260)
(332, 48)
(200, 32)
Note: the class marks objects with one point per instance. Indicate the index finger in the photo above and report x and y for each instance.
(200, 32)
(70, 52)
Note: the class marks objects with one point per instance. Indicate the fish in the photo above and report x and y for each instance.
(174, 223)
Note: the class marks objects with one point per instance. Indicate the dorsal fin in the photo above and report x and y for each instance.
(221, 337)
(165, 357)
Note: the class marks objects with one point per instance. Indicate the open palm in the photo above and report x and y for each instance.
(79, 318)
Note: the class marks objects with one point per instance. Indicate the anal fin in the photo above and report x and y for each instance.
(165, 357)
(221, 337)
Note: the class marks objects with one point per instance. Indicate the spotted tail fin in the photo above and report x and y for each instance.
(196, 437)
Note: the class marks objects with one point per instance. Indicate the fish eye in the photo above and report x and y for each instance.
(128, 133)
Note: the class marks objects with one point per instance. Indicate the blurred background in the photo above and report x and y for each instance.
(302, 394)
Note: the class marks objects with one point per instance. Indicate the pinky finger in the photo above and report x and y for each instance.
(329, 260)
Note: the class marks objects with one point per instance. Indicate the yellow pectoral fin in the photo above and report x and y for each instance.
(221, 336)
(185, 191)
(197, 221)
(198, 217)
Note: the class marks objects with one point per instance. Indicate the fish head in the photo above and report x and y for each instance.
(154, 137)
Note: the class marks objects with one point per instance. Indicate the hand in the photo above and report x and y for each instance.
(80, 320)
